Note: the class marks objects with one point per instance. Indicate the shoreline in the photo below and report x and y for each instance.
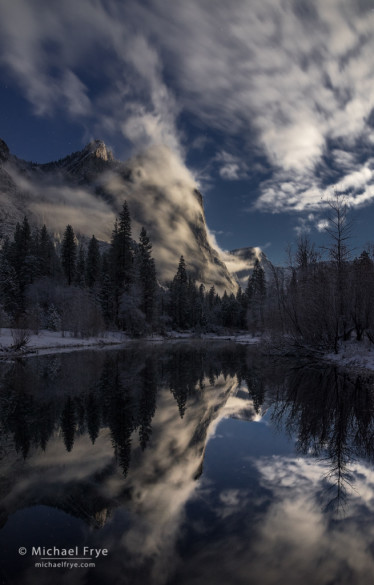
(353, 356)
(49, 342)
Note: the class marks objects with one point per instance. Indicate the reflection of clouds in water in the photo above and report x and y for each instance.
(263, 524)
(230, 501)
(176, 454)
(317, 549)
(148, 508)
(280, 534)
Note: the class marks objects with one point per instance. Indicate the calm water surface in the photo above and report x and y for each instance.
(191, 464)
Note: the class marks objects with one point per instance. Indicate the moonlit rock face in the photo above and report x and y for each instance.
(87, 189)
(99, 150)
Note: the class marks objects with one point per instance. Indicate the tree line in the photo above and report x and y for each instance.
(325, 297)
(85, 287)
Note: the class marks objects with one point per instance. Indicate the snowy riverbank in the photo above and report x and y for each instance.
(54, 341)
(50, 341)
(354, 355)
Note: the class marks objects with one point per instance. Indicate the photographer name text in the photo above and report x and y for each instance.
(75, 552)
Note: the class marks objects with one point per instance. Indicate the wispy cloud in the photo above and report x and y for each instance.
(49, 50)
(292, 78)
(231, 167)
(290, 82)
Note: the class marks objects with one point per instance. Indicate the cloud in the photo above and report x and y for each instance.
(290, 83)
(322, 225)
(232, 167)
(303, 227)
(290, 80)
(49, 50)
(58, 205)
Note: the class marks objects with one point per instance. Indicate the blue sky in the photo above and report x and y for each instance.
(268, 103)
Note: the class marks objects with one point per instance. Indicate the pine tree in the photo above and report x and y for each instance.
(10, 296)
(122, 250)
(242, 300)
(69, 254)
(93, 263)
(48, 261)
(80, 268)
(179, 296)
(211, 297)
(106, 298)
(147, 276)
(121, 256)
(21, 245)
(256, 294)
(258, 281)
(21, 258)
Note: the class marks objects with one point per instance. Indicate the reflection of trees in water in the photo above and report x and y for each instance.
(147, 404)
(118, 390)
(68, 424)
(331, 414)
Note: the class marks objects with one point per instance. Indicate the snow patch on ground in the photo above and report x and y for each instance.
(45, 341)
(354, 354)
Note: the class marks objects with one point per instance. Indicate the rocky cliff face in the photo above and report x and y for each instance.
(87, 189)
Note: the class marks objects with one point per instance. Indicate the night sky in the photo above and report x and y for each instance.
(269, 103)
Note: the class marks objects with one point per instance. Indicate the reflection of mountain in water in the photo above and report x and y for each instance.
(118, 439)
(102, 408)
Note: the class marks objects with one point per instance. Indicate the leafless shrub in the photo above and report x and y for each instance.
(21, 337)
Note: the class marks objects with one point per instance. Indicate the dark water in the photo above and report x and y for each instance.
(189, 464)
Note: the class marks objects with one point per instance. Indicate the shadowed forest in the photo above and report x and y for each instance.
(85, 287)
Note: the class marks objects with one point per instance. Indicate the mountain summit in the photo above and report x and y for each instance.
(87, 188)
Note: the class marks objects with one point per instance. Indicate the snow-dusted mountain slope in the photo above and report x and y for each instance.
(87, 189)
(244, 261)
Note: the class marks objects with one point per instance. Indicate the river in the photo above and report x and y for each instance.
(185, 463)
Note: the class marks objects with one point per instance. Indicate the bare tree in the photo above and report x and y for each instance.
(339, 230)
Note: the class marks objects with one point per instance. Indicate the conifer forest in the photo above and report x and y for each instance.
(85, 287)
